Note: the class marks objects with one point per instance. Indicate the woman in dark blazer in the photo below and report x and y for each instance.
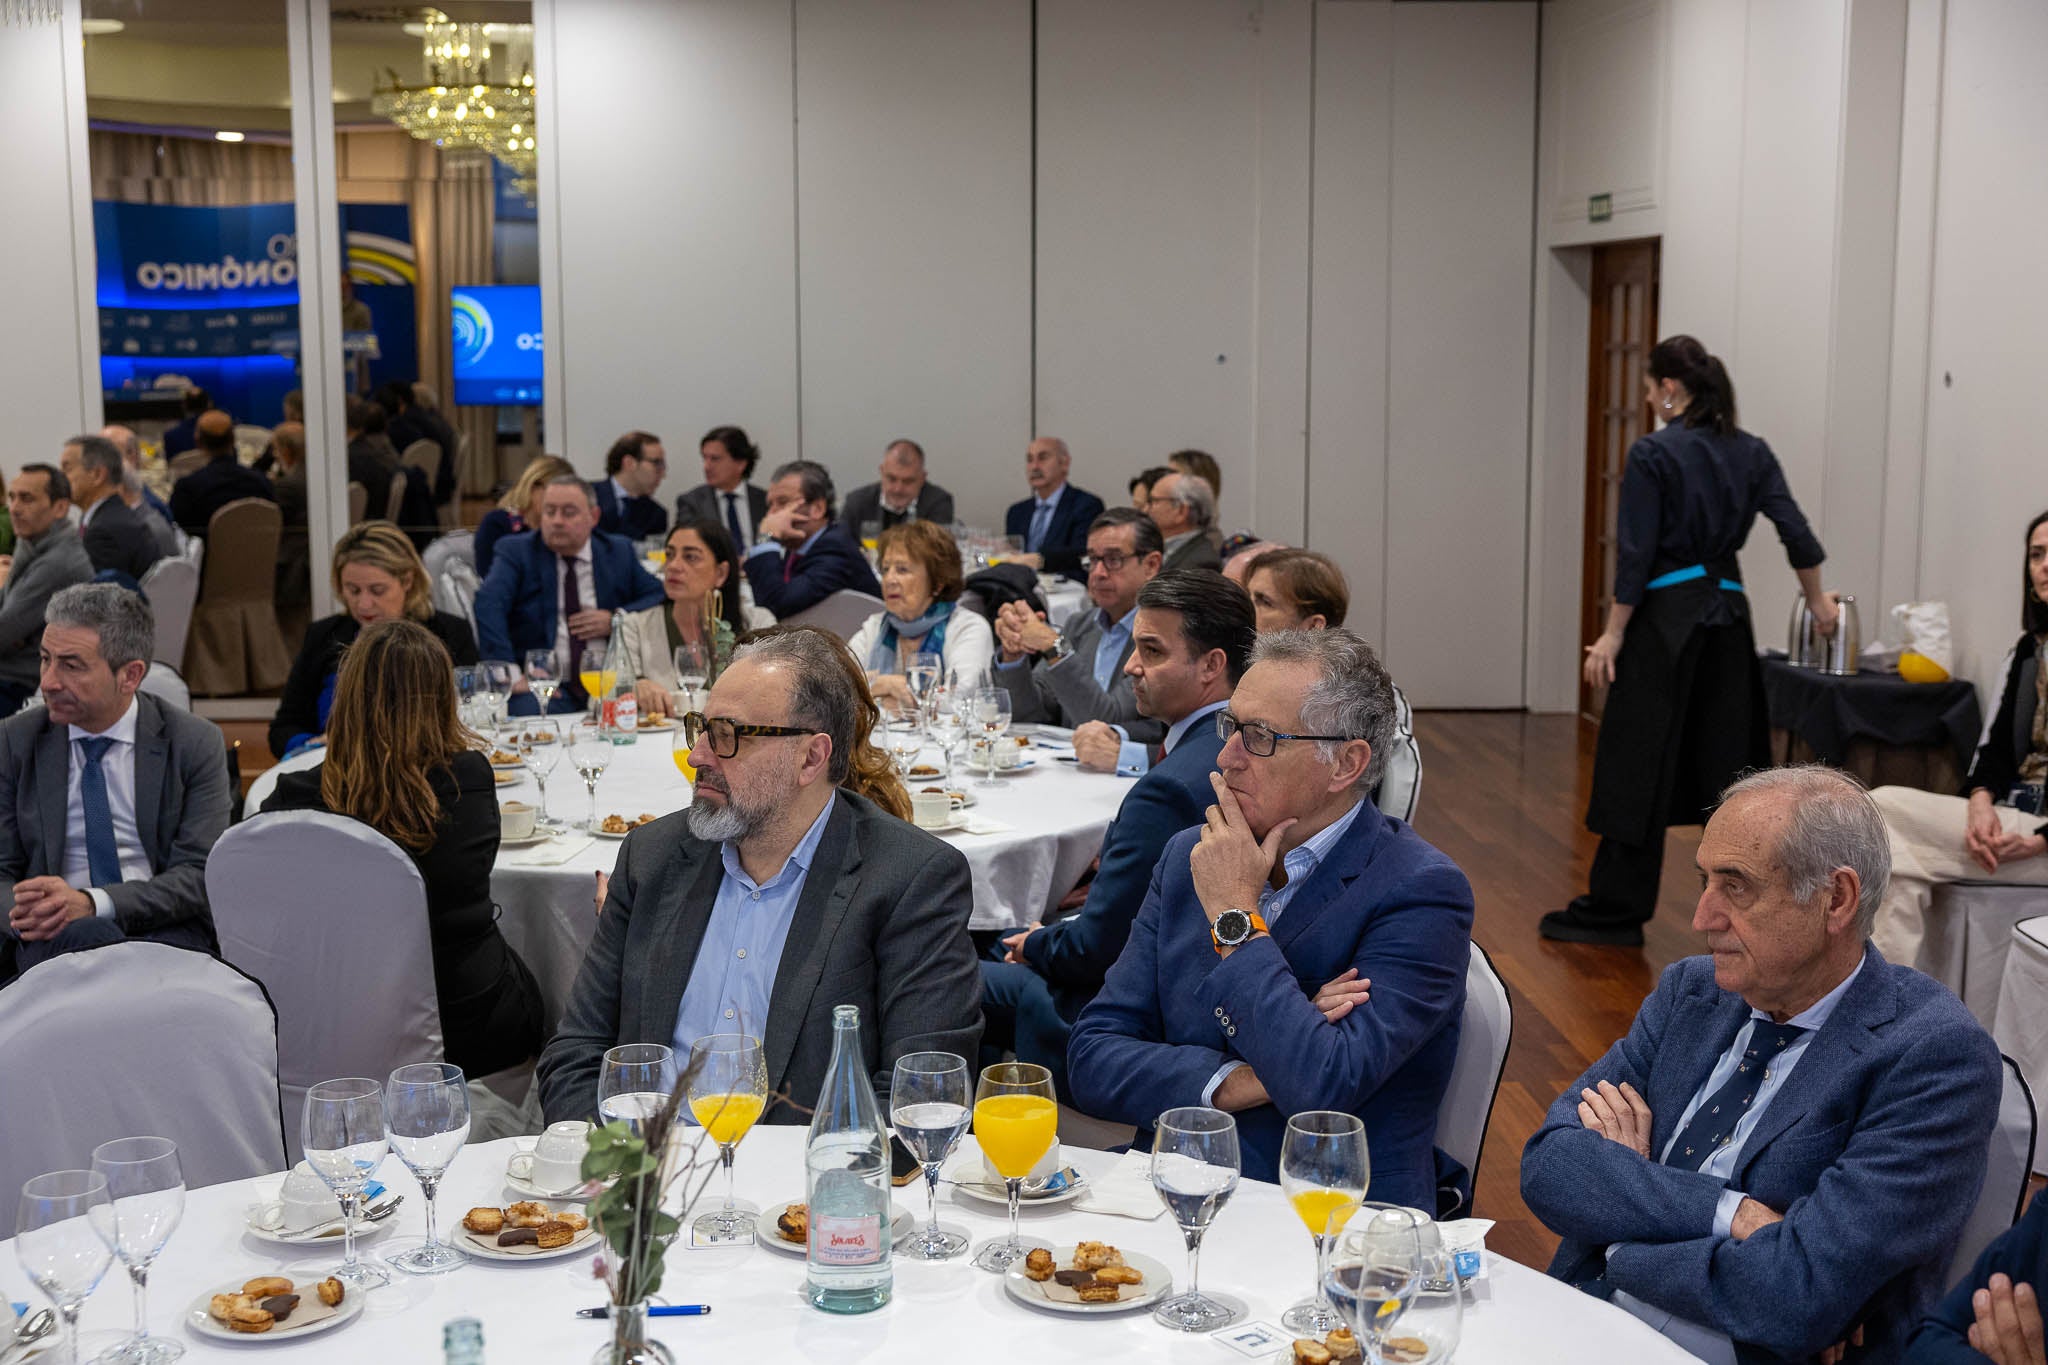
(399, 761)
(378, 576)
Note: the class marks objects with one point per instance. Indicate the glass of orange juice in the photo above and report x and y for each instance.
(598, 673)
(728, 1091)
(679, 747)
(1324, 1171)
(1016, 1121)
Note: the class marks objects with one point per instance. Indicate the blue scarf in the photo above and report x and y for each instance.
(932, 626)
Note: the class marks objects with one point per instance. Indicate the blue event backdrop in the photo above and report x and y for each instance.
(211, 294)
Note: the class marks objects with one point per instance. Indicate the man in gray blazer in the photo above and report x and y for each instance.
(49, 555)
(902, 494)
(775, 897)
(1185, 509)
(123, 853)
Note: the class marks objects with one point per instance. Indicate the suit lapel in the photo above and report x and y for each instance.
(1697, 1034)
(550, 587)
(1867, 1003)
(819, 913)
(152, 759)
(672, 947)
(53, 777)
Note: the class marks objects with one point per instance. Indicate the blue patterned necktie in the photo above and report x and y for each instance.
(1713, 1124)
(732, 521)
(1041, 522)
(102, 859)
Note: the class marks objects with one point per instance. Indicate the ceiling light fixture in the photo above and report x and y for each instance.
(476, 92)
(227, 135)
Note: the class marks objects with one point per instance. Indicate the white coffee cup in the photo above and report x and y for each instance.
(303, 1201)
(515, 820)
(933, 810)
(556, 1161)
(1047, 1164)
(1009, 753)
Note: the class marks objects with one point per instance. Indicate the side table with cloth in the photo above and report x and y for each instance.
(2021, 1025)
(1877, 726)
(1254, 1249)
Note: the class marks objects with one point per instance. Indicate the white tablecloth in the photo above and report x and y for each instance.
(1063, 597)
(1256, 1250)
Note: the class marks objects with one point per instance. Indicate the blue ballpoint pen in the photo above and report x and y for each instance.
(660, 1310)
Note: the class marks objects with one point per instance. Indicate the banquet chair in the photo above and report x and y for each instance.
(840, 615)
(250, 442)
(1400, 788)
(172, 587)
(358, 503)
(394, 501)
(454, 589)
(164, 683)
(2020, 1027)
(184, 464)
(1488, 1024)
(424, 457)
(139, 1037)
(265, 782)
(234, 646)
(2005, 1172)
(331, 916)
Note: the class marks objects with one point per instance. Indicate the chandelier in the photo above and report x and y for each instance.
(476, 92)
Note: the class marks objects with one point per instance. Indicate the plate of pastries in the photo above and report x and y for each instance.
(530, 1230)
(1092, 1277)
(272, 1308)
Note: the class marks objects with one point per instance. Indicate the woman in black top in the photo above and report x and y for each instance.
(378, 576)
(399, 761)
(1685, 705)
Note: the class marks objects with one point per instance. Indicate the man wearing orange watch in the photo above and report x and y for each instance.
(1295, 877)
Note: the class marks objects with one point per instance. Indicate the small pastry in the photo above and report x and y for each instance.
(527, 1213)
(330, 1291)
(1073, 1279)
(1342, 1345)
(1098, 1292)
(552, 1234)
(266, 1286)
(484, 1220)
(1307, 1352)
(1404, 1350)
(794, 1223)
(280, 1306)
(1120, 1274)
(223, 1304)
(250, 1319)
(575, 1220)
(519, 1237)
(1038, 1264)
(1095, 1255)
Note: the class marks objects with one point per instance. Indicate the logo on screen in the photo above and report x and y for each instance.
(470, 329)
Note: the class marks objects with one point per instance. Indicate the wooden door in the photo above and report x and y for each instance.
(1624, 328)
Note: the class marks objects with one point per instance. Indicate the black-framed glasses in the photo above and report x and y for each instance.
(1114, 561)
(1260, 740)
(727, 734)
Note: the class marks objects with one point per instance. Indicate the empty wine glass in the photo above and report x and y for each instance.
(498, 677)
(344, 1138)
(540, 746)
(1194, 1168)
(921, 674)
(1372, 1272)
(64, 1237)
(1324, 1169)
(147, 1191)
(591, 753)
(728, 1091)
(946, 722)
(992, 721)
(928, 1109)
(541, 676)
(1016, 1121)
(693, 668)
(426, 1108)
(634, 1082)
(903, 736)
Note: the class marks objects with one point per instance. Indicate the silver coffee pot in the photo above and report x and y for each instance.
(1836, 653)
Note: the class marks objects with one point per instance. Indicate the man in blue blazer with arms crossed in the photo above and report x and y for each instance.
(1250, 996)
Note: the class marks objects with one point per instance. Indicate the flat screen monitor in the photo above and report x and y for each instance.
(495, 334)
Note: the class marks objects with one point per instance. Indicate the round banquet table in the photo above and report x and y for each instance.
(1256, 1250)
(1056, 816)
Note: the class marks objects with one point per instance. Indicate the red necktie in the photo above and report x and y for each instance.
(572, 602)
(789, 564)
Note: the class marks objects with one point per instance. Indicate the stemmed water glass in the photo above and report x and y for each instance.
(928, 1109)
(1016, 1121)
(1373, 1271)
(634, 1082)
(945, 718)
(344, 1138)
(728, 1091)
(992, 722)
(469, 683)
(499, 675)
(921, 674)
(693, 670)
(539, 739)
(903, 735)
(1194, 1168)
(147, 1193)
(1324, 1170)
(427, 1110)
(64, 1238)
(541, 677)
(591, 753)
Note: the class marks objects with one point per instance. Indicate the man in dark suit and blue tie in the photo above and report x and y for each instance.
(634, 468)
(556, 588)
(803, 556)
(1208, 1003)
(1193, 640)
(1779, 1157)
(1053, 522)
(727, 496)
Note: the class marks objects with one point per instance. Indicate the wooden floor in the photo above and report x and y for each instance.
(1504, 794)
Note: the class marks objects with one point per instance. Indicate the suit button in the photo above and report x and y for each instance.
(1231, 1031)
(1219, 1011)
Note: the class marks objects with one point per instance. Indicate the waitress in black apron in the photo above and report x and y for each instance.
(1685, 705)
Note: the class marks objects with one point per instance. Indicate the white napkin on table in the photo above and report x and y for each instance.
(554, 852)
(1126, 1191)
(983, 824)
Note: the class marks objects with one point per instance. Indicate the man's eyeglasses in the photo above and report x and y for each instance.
(1114, 561)
(727, 734)
(1259, 740)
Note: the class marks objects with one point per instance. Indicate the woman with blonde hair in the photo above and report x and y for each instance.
(400, 761)
(377, 576)
(518, 510)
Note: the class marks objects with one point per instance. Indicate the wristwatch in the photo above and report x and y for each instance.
(1060, 648)
(1233, 928)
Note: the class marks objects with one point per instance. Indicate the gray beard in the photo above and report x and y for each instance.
(719, 824)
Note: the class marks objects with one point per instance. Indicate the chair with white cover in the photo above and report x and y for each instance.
(394, 501)
(842, 614)
(2005, 1172)
(2020, 1027)
(172, 587)
(165, 684)
(455, 589)
(235, 646)
(181, 465)
(139, 1037)
(454, 545)
(1400, 788)
(250, 442)
(423, 456)
(358, 502)
(1488, 1024)
(331, 916)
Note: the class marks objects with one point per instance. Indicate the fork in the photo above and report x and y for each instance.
(376, 1213)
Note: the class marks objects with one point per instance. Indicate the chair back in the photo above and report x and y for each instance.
(1488, 1023)
(425, 456)
(1400, 788)
(454, 590)
(394, 501)
(2005, 1172)
(184, 464)
(167, 685)
(358, 502)
(331, 916)
(235, 645)
(842, 614)
(172, 587)
(250, 442)
(139, 1037)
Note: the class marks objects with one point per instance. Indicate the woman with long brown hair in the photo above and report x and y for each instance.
(400, 761)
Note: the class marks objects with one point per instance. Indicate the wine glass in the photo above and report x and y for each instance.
(343, 1134)
(928, 1109)
(946, 722)
(903, 735)
(992, 720)
(591, 753)
(147, 1193)
(1324, 1170)
(427, 1110)
(1016, 1121)
(539, 739)
(1373, 1271)
(599, 674)
(921, 674)
(64, 1237)
(635, 1082)
(728, 1091)
(541, 676)
(693, 669)
(1194, 1168)
(498, 677)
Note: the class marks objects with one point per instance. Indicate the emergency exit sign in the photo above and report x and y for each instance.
(1599, 208)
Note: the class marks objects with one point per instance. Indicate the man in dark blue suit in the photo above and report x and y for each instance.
(635, 466)
(1994, 1312)
(1053, 522)
(1250, 996)
(1779, 1157)
(802, 555)
(1194, 638)
(556, 588)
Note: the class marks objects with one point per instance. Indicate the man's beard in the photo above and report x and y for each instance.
(733, 822)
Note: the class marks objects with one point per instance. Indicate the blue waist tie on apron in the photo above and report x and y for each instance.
(1687, 575)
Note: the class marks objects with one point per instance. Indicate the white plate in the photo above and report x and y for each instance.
(201, 1323)
(996, 1194)
(901, 1224)
(526, 1189)
(539, 836)
(656, 727)
(488, 1250)
(967, 798)
(514, 766)
(504, 777)
(1158, 1284)
(958, 822)
(364, 1231)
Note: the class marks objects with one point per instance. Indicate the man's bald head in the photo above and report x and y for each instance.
(215, 433)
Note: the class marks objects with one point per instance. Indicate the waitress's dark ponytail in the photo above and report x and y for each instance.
(1683, 359)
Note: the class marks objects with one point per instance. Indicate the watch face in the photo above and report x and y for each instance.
(1233, 927)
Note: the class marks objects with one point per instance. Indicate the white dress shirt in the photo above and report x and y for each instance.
(118, 766)
(586, 588)
(736, 500)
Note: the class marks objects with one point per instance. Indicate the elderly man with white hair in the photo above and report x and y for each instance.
(1185, 508)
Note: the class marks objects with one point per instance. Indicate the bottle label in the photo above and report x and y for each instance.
(846, 1241)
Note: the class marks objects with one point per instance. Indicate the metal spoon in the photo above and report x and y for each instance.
(32, 1329)
(376, 1213)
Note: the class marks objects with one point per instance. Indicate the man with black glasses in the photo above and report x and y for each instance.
(1206, 1005)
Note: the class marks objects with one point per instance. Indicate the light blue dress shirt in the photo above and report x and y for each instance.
(1703, 1341)
(734, 974)
(1042, 513)
(762, 547)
